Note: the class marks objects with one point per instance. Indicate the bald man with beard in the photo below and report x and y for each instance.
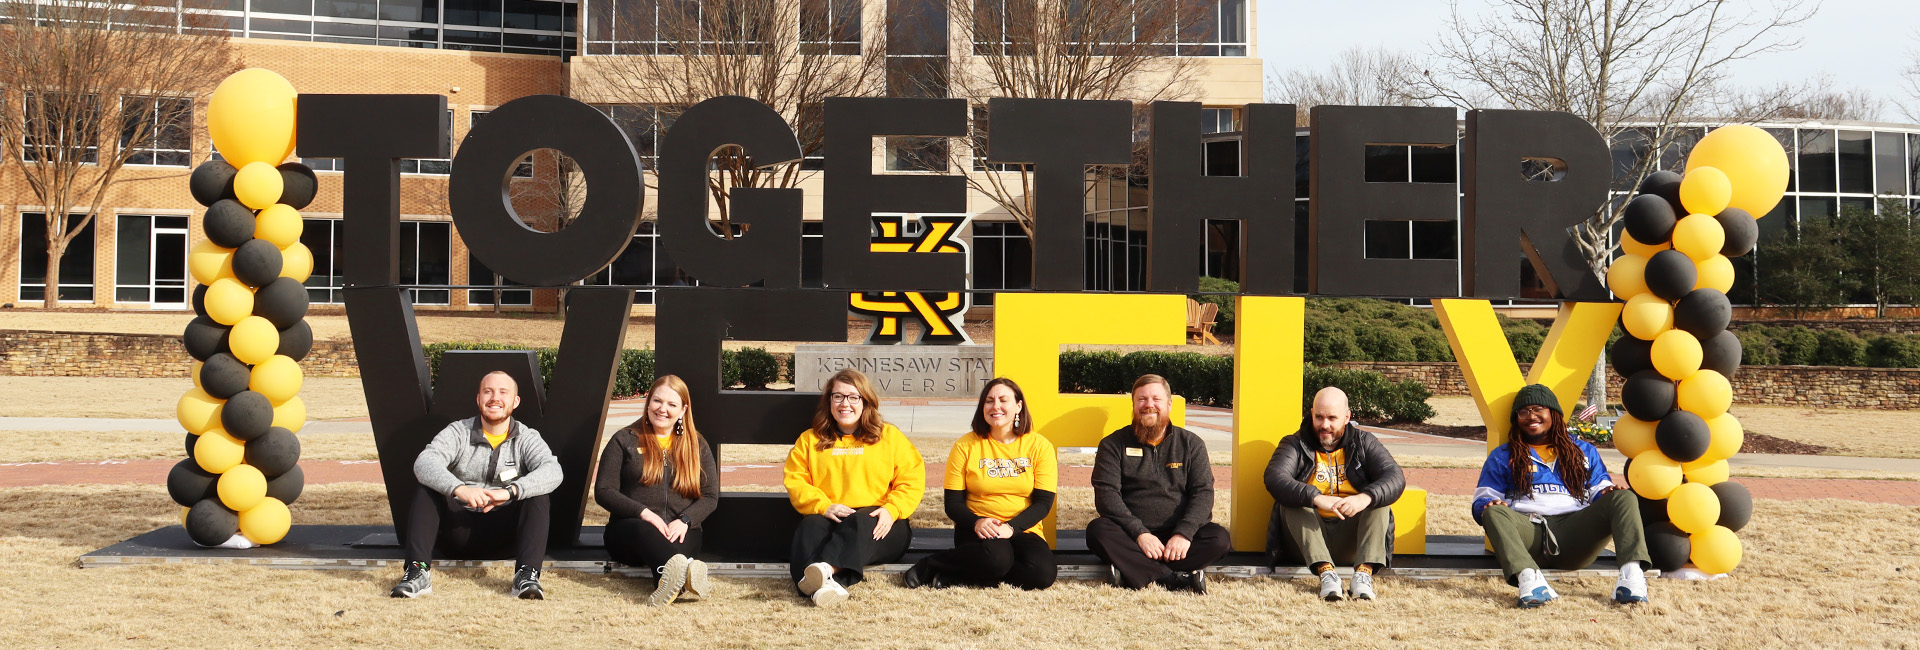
(1332, 484)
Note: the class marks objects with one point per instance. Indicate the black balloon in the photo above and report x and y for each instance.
(192, 439)
(188, 484)
(200, 300)
(1648, 395)
(257, 262)
(282, 302)
(1742, 231)
(1682, 436)
(211, 182)
(1670, 274)
(246, 415)
(224, 376)
(1736, 504)
(1631, 355)
(296, 341)
(1704, 313)
(1721, 354)
(1664, 184)
(274, 453)
(211, 524)
(1668, 546)
(205, 338)
(298, 185)
(1650, 219)
(229, 224)
(1652, 511)
(287, 487)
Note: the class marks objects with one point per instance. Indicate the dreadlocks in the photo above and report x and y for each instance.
(1571, 462)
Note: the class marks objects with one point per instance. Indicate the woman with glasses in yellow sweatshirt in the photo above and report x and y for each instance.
(856, 480)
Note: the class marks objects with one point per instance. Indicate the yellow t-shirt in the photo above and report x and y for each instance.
(1330, 476)
(887, 473)
(1545, 452)
(666, 442)
(1000, 477)
(495, 440)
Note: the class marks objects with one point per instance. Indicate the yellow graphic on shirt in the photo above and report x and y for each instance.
(1000, 477)
(1330, 476)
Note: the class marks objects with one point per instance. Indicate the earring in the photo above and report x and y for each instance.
(679, 426)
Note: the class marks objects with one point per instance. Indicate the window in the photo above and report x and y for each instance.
(1219, 120)
(1889, 163)
(429, 166)
(61, 127)
(322, 237)
(1816, 161)
(644, 264)
(426, 257)
(156, 130)
(1003, 27)
(830, 26)
(525, 168)
(643, 125)
(543, 27)
(1856, 162)
(1196, 28)
(479, 275)
(979, 143)
(675, 26)
(1002, 258)
(150, 259)
(76, 263)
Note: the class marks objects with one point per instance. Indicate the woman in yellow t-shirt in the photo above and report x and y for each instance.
(856, 479)
(1001, 481)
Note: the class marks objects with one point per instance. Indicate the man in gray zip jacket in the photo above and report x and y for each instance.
(483, 494)
(1332, 484)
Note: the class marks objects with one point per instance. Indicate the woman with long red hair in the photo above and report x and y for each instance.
(658, 481)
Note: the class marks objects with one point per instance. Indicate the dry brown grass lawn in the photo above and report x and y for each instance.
(1816, 574)
(41, 446)
(115, 397)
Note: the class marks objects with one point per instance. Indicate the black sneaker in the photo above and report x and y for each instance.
(1194, 581)
(526, 584)
(923, 575)
(417, 581)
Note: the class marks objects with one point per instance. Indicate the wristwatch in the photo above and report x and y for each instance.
(513, 490)
(683, 519)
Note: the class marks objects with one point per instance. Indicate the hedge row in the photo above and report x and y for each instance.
(1765, 345)
(1362, 329)
(751, 368)
(1208, 380)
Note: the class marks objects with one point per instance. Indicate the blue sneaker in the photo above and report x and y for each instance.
(1632, 587)
(1534, 591)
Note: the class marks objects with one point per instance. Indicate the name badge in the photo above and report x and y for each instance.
(1173, 465)
(1136, 451)
(508, 473)
(849, 451)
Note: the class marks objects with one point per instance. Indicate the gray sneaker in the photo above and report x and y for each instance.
(1330, 587)
(698, 585)
(417, 581)
(1362, 585)
(672, 579)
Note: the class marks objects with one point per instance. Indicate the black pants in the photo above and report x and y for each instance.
(518, 530)
(848, 545)
(636, 543)
(1112, 543)
(1023, 561)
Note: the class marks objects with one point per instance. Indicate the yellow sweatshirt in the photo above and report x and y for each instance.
(888, 473)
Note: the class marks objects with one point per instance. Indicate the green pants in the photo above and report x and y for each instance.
(1359, 539)
(1566, 542)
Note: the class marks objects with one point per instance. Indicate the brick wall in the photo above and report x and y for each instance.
(1894, 389)
(81, 354)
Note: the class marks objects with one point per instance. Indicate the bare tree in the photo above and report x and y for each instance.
(1910, 82)
(790, 55)
(1622, 65)
(1357, 77)
(1069, 49)
(1813, 99)
(90, 84)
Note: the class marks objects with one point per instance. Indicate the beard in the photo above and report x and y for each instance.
(1146, 431)
(1537, 439)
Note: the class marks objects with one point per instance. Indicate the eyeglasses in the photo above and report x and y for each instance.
(844, 398)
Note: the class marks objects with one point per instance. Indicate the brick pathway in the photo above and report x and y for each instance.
(1436, 481)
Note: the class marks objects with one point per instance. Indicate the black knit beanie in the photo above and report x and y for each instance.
(1537, 395)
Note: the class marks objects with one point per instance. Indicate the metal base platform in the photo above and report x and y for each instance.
(377, 547)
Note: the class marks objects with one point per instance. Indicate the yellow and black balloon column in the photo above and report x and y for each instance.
(250, 333)
(1678, 357)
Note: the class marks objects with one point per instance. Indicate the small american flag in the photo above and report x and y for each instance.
(1586, 414)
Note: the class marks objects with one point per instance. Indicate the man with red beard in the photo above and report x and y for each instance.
(1153, 488)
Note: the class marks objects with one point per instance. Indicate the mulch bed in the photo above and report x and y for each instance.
(1755, 443)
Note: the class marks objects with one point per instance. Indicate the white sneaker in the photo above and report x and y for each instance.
(1534, 591)
(672, 580)
(815, 576)
(1362, 585)
(1632, 587)
(829, 594)
(697, 583)
(1330, 587)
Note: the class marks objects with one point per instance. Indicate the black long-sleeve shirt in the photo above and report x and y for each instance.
(1165, 489)
(618, 489)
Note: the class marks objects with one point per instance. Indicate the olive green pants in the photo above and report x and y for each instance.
(1566, 542)
(1359, 539)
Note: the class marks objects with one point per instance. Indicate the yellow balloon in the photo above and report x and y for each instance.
(242, 487)
(1653, 475)
(1676, 354)
(253, 340)
(1699, 236)
(278, 378)
(1646, 316)
(1692, 507)
(1753, 162)
(1705, 190)
(1717, 550)
(194, 373)
(1724, 437)
(291, 414)
(1627, 276)
(278, 223)
(1633, 246)
(183, 515)
(1632, 436)
(1707, 394)
(197, 411)
(1703, 472)
(208, 262)
(267, 522)
(1715, 273)
(258, 186)
(251, 117)
(218, 452)
(228, 301)
(296, 262)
